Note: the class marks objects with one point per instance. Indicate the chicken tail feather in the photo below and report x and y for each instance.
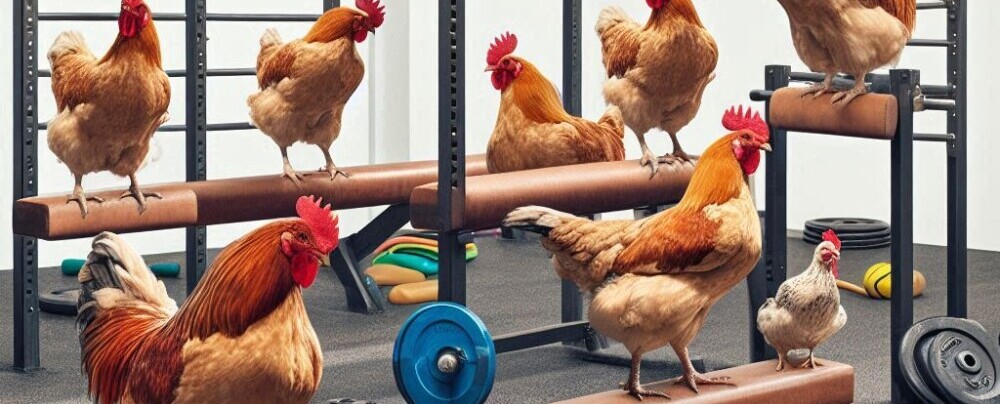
(613, 119)
(270, 38)
(68, 43)
(536, 219)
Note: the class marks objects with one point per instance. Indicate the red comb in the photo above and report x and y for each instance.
(503, 46)
(324, 225)
(735, 120)
(830, 236)
(376, 12)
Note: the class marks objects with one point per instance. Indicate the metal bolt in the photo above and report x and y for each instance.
(967, 362)
(448, 363)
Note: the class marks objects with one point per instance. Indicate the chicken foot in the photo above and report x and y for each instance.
(648, 158)
(810, 363)
(819, 89)
(633, 387)
(81, 198)
(330, 167)
(135, 192)
(678, 156)
(288, 171)
(691, 376)
(845, 97)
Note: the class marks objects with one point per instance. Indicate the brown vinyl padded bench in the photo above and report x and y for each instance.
(225, 201)
(579, 189)
(872, 116)
(832, 383)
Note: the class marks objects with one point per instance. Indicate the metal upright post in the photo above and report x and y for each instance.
(25, 134)
(572, 300)
(197, 122)
(328, 4)
(958, 286)
(451, 148)
(772, 268)
(903, 84)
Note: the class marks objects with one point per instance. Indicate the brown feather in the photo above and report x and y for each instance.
(674, 8)
(904, 10)
(332, 25)
(147, 43)
(274, 66)
(620, 46)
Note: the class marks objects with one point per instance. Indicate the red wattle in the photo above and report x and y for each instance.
(751, 161)
(360, 35)
(304, 269)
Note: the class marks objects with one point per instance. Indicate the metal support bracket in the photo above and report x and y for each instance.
(363, 295)
(196, 242)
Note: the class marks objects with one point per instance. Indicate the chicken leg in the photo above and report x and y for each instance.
(691, 376)
(811, 363)
(648, 158)
(845, 97)
(633, 387)
(330, 167)
(678, 156)
(79, 197)
(135, 192)
(819, 89)
(288, 170)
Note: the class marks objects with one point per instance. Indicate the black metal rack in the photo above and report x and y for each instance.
(913, 97)
(451, 172)
(26, 18)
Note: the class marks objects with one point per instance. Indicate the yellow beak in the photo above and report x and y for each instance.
(325, 260)
(490, 68)
(766, 147)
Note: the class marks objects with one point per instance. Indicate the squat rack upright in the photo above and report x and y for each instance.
(912, 97)
(26, 18)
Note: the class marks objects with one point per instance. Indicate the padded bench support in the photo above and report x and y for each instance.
(832, 383)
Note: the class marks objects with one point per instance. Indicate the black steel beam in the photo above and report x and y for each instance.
(451, 149)
(934, 137)
(25, 170)
(904, 84)
(937, 5)
(364, 296)
(572, 92)
(262, 17)
(566, 332)
(957, 172)
(196, 117)
(879, 83)
(930, 43)
(764, 281)
(103, 17)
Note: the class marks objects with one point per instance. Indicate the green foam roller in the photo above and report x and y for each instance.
(71, 267)
(415, 262)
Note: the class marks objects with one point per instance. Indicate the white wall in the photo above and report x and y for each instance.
(230, 154)
(830, 176)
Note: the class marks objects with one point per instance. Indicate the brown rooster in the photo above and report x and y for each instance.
(806, 311)
(533, 130)
(657, 73)
(242, 336)
(849, 36)
(108, 108)
(653, 281)
(305, 83)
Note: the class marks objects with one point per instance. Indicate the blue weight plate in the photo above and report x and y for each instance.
(428, 333)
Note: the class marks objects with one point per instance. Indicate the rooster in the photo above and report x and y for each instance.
(653, 281)
(806, 311)
(305, 83)
(108, 108)
(242, 336)
(849, 36)
(533, 130)
(657, 73)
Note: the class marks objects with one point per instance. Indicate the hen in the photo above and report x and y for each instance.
(806, 311)
(242, 336)
(849, 36)
(533, 130)
(305, 83)
(657, 72)
(653, 281)
(108, 108)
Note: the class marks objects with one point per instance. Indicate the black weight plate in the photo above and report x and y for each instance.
(929, 357)
(60, 301)
(853, 236)
(846, 225)
(854, 244)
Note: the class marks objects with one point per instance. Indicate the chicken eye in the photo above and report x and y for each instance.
(303, 236)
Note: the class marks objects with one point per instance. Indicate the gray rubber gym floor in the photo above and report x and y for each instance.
(512, 287)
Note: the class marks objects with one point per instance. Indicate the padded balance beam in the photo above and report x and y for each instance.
(832, 383)
(225, 201)
(579, 189)
(872, 116)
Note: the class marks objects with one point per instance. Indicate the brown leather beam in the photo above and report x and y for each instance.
(225, 201)
(832, 383)
(871, 116)
(579, 189)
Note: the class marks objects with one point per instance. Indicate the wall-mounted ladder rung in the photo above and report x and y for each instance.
(262, 17)
(936, 5)
(219, 127)
(937, 104)
(934, 137)
(930, 43)
(103, 16)
(181, 73)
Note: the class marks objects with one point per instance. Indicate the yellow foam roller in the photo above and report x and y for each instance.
(878, 282)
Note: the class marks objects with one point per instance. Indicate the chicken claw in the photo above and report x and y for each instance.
(140, 197)
(80, 198)
(693, 379)
(817, 90)
(334, 172)
(845, 97)
(639, 393)
(648, 159)
(810, 363)
(292, 175)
